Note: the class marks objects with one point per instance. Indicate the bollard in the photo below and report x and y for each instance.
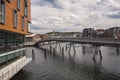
(62, 51)
(117, 50)
(100, 54)
(69, 49)
(66, 47)
(33, 53)
(60, 46)
(94, 53)
(44, 50)
(83, 50)
(50, 49)
(45, 55)
(74, 49)
(54, 52)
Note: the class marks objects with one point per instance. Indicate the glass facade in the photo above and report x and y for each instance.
(10, 41)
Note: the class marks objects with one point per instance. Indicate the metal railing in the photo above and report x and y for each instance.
(5, 57)
(4, 49)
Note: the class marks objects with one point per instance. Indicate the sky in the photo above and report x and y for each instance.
(73, 15)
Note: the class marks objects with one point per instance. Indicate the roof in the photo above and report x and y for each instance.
(30, 35)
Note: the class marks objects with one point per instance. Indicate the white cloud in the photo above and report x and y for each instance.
(74, 15)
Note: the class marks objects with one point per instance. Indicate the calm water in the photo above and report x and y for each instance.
(79, 66)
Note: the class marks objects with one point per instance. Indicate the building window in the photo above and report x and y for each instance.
(2, 11)
(9, 0)
(29, 26)
(18, 4)
(15, 19)
(23, 23)
(25, 8)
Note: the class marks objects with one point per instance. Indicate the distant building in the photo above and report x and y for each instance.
(88, 33)
(45, 36)
(31, 38)
(113, 32)
(66, 35)
(70, 35)
(100, 33)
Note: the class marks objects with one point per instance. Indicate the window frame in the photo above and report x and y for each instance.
(2, 11)
(15, 19)
(23, 23)
(9, 1)
(25, 8)
(19, 4)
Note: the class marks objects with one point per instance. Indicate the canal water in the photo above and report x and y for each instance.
(73, 66)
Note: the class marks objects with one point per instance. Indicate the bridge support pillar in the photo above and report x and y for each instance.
(117, 50)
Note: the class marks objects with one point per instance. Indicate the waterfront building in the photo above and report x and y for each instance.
(15, 17)
(113, 32)
(32, 38)
(100, 33)
(88, 33)
(45, 36)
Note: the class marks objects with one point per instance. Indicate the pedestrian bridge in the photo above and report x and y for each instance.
(99, 42)
(94, 42)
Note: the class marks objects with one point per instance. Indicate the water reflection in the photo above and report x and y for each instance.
(64, 66)
(45, 54)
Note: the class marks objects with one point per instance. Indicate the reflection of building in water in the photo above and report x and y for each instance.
(86, 48)
(95, 50)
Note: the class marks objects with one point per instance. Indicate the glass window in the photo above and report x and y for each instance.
(25, 8)
(23, 23)
(9, 0)
(18, 4)
(2, 11)
(28, 25)
(10, 41)
(15, 19)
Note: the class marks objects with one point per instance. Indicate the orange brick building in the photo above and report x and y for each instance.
(15, 16)
(10, 9)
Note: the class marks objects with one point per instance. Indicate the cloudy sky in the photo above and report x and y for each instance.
(74, 15)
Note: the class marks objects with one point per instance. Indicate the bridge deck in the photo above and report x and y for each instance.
(104, 42)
